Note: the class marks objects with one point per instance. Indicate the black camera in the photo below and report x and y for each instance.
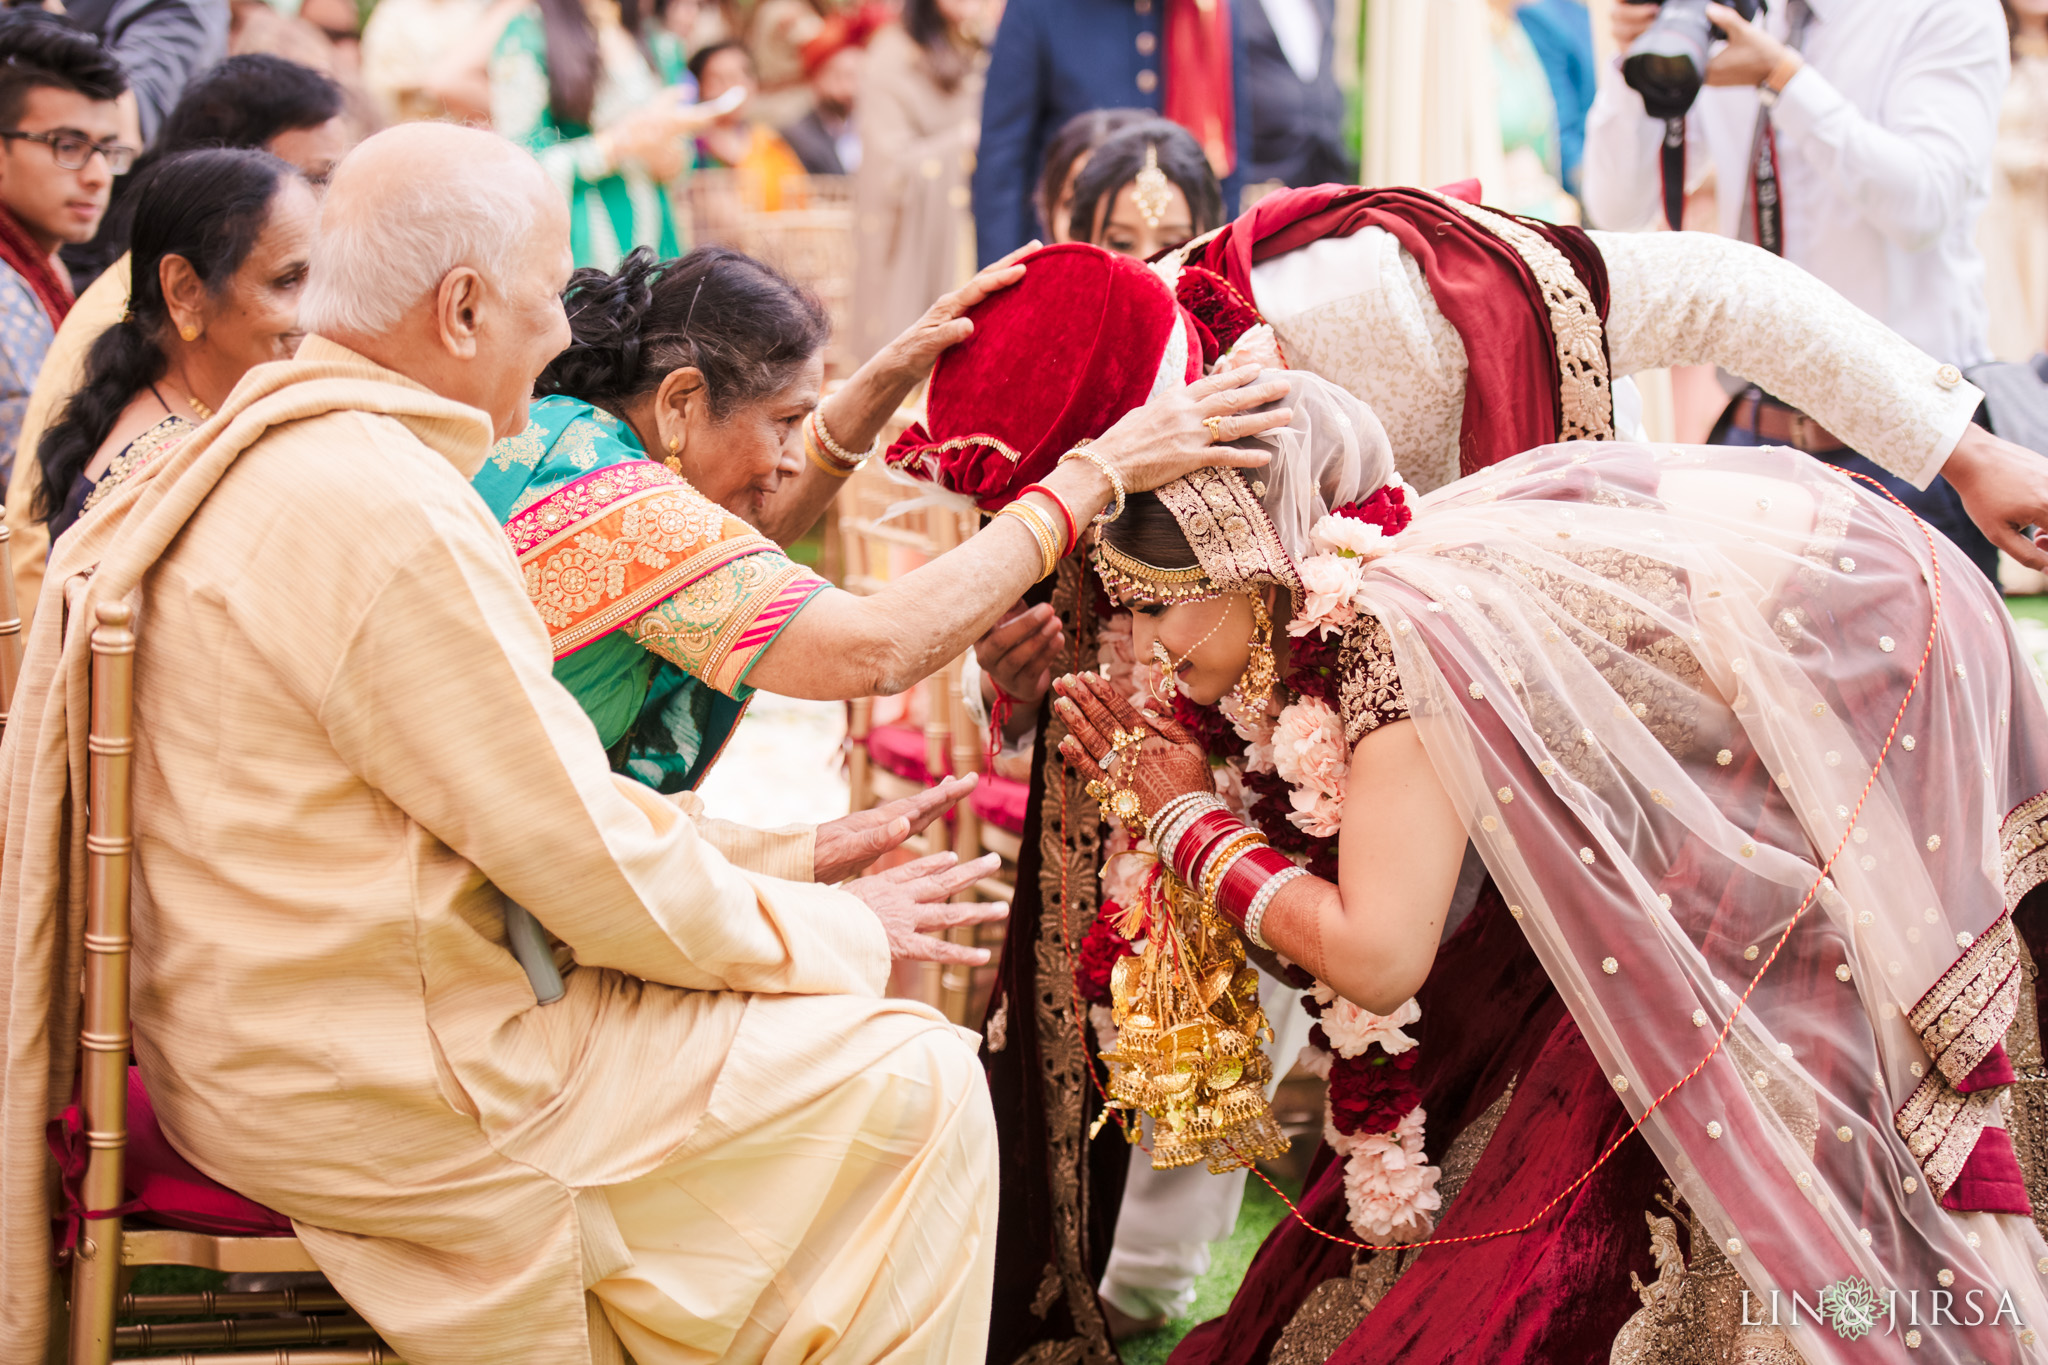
(1668, 63)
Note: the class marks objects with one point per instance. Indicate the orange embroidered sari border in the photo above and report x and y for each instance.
(642, 596)
(612, 545)
(574, 505)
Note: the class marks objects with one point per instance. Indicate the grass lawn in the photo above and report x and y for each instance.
(1262, 1211)
(2028, 608)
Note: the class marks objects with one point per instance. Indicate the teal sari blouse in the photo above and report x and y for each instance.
(657, 600)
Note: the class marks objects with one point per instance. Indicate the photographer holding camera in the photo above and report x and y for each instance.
(1853, 138)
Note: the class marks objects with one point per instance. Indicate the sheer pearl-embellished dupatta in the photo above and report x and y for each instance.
(1656, 681)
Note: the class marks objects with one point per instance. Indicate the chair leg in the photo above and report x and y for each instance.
(859, 783)
(58, 1347)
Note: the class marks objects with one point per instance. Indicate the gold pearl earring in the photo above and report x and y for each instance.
(1255, 685)
(189, 332)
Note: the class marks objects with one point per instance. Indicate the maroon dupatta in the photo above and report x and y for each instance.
(35, 266)
(1480, 281)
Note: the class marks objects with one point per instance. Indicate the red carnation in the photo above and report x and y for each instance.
(1387, 509)
(1219, 309)
(1101, 950)
(1369, 1097)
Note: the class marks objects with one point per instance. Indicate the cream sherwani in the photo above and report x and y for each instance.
(721, 1144)
(1357, 310)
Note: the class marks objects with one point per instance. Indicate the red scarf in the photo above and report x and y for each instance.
(1482, 285)
(30, 262)
(1200, 96)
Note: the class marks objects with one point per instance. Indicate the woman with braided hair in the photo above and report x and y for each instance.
(1759, 776)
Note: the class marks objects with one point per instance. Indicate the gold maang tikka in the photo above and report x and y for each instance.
(1151, 191)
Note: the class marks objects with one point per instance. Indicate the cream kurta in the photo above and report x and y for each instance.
(350, 743)
(1358, 311)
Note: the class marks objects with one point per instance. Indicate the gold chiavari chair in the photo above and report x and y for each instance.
(292, 1326)
(883, 762)
(808, 237)
(10, 625)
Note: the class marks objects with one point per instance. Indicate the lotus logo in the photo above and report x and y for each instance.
(1853, 1306)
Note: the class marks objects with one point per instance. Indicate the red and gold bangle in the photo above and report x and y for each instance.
(1198, 839)
(1246, 877)
(1217, 866)
(819, 458)
(1163, 829)
(1066, 512)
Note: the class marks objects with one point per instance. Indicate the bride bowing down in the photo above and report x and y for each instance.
(1761, 781)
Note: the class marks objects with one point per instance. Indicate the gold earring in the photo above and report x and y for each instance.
(674, 460)
(1255, 685)
(189, 332)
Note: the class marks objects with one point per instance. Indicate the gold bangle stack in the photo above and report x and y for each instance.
(1116, 481)
(1042, 530)
(1219, 862)
(826, 453)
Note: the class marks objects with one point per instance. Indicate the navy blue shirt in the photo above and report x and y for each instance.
(1054, 59)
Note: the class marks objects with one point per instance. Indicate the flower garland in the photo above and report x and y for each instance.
(1286, 773)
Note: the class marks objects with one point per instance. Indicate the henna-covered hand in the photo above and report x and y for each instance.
(1169, 763)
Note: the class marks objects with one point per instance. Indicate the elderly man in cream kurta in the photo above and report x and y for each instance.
(722, 1143)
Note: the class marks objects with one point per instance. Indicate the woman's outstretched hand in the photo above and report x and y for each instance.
(910, 357)
(1168, 762)
(1172, 435)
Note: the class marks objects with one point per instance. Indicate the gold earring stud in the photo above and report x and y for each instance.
(675, 443)
(189, 332)
(674, 460)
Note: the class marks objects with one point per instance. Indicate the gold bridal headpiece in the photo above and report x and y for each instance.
(1127, 579)
(1151, 191)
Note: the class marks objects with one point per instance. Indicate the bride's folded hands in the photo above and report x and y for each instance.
(1373, 935)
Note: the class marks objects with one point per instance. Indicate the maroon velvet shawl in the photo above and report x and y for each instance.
(35, 266)
(1480, 282)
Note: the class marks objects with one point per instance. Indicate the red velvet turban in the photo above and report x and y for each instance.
(1055, 359)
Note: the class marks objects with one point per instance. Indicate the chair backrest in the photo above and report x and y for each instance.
(877, 546)
(10, 625)
(104, 1030)
(808, 236)
(879, 543)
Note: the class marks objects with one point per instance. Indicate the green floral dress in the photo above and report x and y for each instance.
(657, 601)
(612, 209)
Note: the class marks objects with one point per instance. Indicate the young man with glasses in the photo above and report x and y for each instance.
(60, 150)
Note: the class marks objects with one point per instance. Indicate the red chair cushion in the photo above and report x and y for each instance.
(1001, 801)
(176, 1194)
(161, 1186)
(900, 749)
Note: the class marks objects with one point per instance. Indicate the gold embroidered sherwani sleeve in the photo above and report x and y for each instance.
(445, 702)
(788, 853)
(1692, 298)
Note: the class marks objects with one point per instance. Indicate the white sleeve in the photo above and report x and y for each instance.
(1909, 172)
(1693, 298)
(1622, 189)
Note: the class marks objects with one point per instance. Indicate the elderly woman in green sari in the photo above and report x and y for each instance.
(666, 458)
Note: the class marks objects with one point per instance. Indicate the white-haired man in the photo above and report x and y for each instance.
(720, 1143)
